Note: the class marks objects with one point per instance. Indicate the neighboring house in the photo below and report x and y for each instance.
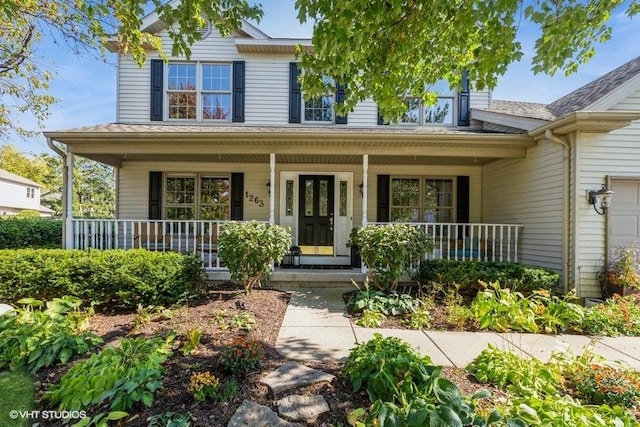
(18, 194)
(228, 135)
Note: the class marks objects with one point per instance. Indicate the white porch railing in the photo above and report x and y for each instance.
(200, 237)
(481, 242)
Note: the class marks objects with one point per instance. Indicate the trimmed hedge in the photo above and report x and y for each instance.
(468, 274)
(113, 278)
(18, 233)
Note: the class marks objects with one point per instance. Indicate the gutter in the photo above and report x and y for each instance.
(550, 136)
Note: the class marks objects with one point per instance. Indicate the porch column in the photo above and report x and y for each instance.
(272, 188)
(68, 207)
(365, 187)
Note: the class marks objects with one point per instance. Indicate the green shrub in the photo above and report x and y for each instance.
(38, 338)
(469, 274)
(388, 303)
(18, 233)
(242, 356)
(389, 251)
(120, 376)
(248, 250)
(113, 278)
(617, 316)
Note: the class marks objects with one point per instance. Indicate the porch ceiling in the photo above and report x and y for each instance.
(115, 143)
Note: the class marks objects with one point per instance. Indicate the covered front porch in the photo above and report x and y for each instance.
(178, 185)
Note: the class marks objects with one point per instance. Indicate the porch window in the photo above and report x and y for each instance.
(205, 197)
(422, 199)
(319, 109)
(199, 91)
(441, 113)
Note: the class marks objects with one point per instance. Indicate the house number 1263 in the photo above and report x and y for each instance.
(255, 199)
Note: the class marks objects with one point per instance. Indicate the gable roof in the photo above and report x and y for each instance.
(586, 95)
(12, 177)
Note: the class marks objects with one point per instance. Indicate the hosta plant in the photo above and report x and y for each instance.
(38, 335)
(370, 319)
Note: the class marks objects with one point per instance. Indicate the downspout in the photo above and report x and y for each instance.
(65, 170)
(550, 136)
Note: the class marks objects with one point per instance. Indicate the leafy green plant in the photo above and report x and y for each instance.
(205, 386)
(244, 320)
(38, 338)
(102, 419)
(389, 251)
(370, 319)
(171, 419)
(522, 377)
(388, 303)
(242, 356)
(554, 314)
(617, 316)
(561, 411)
(603, 384)
(17, 233)
(500, 309)
(248, 250)
(220, 317)
(421, 319)
(468, 274)
(110, 278)
(121, 376)
(458, 316)
(405, 388)
(192, 341)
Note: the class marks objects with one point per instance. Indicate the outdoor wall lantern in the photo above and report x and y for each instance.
(601, 199)
(268, 185)
(361, 186)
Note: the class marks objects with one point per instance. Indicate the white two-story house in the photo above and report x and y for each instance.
(18, 193)
(230, 135)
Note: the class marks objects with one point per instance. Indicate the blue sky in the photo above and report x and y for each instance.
(86, 86)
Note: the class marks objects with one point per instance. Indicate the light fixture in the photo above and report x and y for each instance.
(361, 186)
(268, 184)
(601, 199)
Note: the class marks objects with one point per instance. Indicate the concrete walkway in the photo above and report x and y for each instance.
(316, 327)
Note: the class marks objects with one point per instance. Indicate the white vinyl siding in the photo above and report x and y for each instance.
(530, 192)
(479, 99)
(266, 85)
(600, 156)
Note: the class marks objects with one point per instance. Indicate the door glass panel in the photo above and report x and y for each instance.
(324, 197)
(308, 197)
(289, 198)
(343, 198)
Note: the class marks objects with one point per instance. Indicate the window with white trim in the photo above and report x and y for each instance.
(199, 91)
(319, 109)
(439, 114)
(422, 199)
(201, 196)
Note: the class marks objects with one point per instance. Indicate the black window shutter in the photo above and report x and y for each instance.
(237, 196)
(157, 67)
(384, 183)
(295, 94)
(462, 199)
(340, 96)
(464, 112)
(155, 195)
(238, 92)
(381, 120)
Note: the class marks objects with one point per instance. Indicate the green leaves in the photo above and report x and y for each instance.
(249, 248)
(120, 376)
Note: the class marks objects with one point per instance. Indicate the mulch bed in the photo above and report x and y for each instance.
(212, 316)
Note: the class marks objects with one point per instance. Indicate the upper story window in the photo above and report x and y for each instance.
(439, 114)
(31, 193)
(199, 91)
(319, 109)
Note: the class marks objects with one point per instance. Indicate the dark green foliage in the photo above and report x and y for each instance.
(38, 338)
(390, 251)
(18, 233)
(469, 274)
(113, 278)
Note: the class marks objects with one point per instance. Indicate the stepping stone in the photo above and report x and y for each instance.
(302, 408)
(251, 414)
(293, 375)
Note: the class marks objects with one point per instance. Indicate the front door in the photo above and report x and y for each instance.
(316, 214)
